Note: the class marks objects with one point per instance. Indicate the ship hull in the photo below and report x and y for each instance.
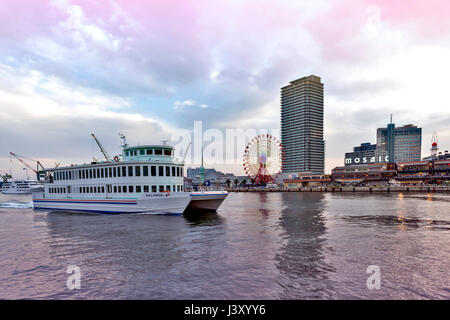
(151, 203)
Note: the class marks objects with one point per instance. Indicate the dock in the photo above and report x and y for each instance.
(424, 189)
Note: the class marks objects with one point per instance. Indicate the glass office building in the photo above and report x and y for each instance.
(302, 114)
(400, 144)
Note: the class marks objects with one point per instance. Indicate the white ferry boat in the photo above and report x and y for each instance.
(144, 179)
(19, 186)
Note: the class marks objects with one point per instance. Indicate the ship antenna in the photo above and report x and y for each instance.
(122, 136)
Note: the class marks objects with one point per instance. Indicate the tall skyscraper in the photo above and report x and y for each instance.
(399, 144)
(302, 126)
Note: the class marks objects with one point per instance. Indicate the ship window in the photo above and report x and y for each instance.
(114, 172)
(103, 189)
(90, 190)
(119, 188)
(178, 171)
(130, 171)
(135, 153)
(124, 171)
(90, 173)
(149, 151)
(130, 189)
(142, 152)
(98, 172)
(137, 171)
(124, 188)
(181, 171)
(153, 188)
(167, 171)
(70, 175)
(115, 189)
(173, 171)
(167, 152)
(145, 173)
(145, 188)
(167, 188)
(153, 171)
(82, 174)
(110, 172)
(161, 188)
(158, 151)
(161, 171)
(102, 172)
(138, 189)
(127, 153)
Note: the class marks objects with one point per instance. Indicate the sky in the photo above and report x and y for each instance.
(148, 68)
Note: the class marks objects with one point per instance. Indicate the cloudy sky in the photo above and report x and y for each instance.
(146, 68)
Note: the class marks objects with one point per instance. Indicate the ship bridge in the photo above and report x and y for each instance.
(154, 153)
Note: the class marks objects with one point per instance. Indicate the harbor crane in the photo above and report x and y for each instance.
(39, 166)
(5, 177)
(105, 154)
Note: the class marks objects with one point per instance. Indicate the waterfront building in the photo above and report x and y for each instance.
(365, 153)
(399, 144)
(302, 113)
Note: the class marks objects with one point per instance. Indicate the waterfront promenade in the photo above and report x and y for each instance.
(424, 189)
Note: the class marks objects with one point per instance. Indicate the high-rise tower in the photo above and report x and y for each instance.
(302, 126)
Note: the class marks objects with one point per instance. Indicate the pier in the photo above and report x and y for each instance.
(385, 189)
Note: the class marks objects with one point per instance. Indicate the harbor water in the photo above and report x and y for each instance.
(258, 246)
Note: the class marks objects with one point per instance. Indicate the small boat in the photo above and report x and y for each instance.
(19, 186)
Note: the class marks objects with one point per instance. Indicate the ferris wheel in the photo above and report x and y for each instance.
(263, 158)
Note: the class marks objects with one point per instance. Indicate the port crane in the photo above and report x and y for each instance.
(39, 166)
(5, 177)
(102, 149)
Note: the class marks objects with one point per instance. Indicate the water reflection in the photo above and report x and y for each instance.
(204, 218)
(140, 250)
(301, 261)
